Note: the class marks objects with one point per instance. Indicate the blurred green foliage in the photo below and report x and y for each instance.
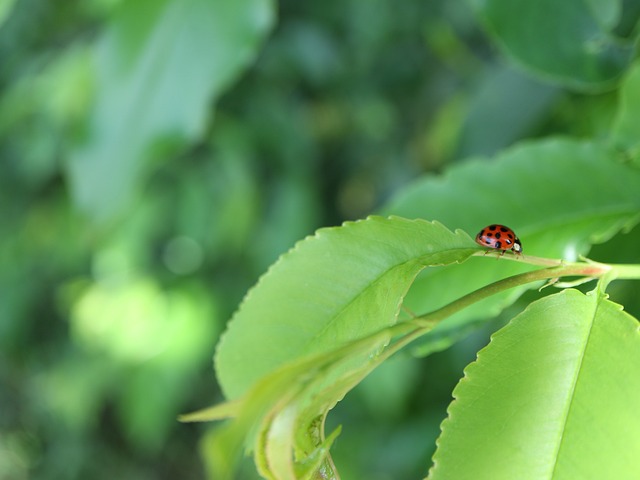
(157, 156)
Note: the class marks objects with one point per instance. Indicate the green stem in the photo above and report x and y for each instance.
(622, 271)
(575, 269)
(540, 261)
(418, 326)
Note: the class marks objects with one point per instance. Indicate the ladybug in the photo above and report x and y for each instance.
(500, 238)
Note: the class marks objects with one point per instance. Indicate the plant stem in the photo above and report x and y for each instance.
(422, 324)
(622, 271)
(575, 269)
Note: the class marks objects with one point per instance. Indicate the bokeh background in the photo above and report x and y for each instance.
(156, 156)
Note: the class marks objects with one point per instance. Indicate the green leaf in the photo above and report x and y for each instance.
(310, 330)
(336, 287)
(554, 396)
(545, 191)
(569, 42)
(308, 386)
(625, 133)
(305, 450)
(216, 412)
(159, 66)
(279, 443)
(292, 444)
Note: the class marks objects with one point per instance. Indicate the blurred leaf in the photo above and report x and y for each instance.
(218, 204)
(544, 191)
(37, 111)
(135, 322)
(149, 400)
(5, 10)
(626, 129)
(72, 390)
(158, 68)
(292, 215)
(396, 377)
(569, 42)
(554, 395)
(505, 108)
(340, 285)
(158, 337)
(607, 12)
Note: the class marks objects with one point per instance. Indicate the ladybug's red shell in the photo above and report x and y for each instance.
(500, 238)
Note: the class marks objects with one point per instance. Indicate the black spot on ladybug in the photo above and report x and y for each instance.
(492, 227)
(498, 235)
(498, 245)
(504, 229)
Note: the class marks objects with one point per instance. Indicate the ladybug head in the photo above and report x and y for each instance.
(517, 246)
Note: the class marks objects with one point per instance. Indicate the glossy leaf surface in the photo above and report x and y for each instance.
(553, 396)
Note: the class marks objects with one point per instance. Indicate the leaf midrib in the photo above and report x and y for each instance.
(572, 390)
